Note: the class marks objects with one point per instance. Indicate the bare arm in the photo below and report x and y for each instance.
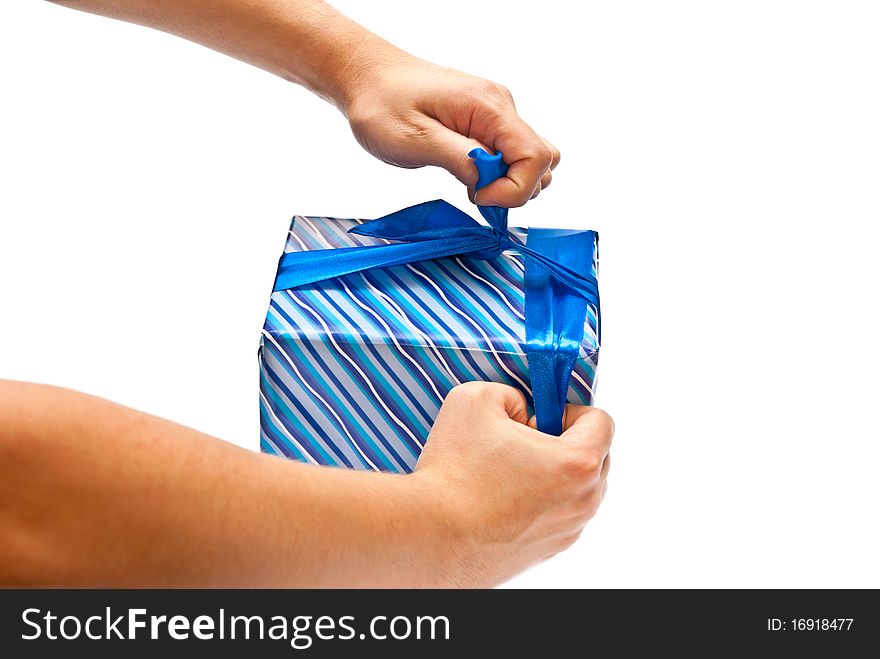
(92, 493)
(305, 41)
(96, 494)
(403, 110)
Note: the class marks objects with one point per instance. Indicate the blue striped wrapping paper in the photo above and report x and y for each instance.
(353, 370)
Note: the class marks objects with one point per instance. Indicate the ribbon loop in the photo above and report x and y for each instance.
(557, 288)
(436, 216)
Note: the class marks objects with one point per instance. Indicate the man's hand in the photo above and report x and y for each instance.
(403, 110)
(96, 494)
(410, 113)
(515, 495)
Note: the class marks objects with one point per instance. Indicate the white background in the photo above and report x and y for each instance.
(729, 154)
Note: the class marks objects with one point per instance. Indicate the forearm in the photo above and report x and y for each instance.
(305, 41)
(93, 493)
(403, 110)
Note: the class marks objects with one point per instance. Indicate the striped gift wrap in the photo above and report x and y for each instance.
(353, 369)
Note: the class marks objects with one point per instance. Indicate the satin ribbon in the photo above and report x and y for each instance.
(558, 282)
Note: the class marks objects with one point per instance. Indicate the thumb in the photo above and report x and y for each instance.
(581, 420)
(449, 150)
(588, 426)
(481, 400)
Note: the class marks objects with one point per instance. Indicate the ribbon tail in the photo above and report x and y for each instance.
(489, 169)
(555, 315)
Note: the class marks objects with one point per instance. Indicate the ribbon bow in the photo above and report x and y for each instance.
(558, 281)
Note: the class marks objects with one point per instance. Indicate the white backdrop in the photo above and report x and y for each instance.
(727, 153)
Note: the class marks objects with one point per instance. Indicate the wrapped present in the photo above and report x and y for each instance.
(371, 323)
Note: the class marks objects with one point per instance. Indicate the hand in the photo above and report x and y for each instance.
(403, 110)
(95, 494)
(410, 113)
(515, 496)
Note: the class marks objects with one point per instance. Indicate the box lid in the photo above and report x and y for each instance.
(454, 303)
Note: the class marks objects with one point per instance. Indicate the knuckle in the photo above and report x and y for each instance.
(417, 132)
(584, 465)
(590, 514)
(592, 463)
(604, 424)
(492, 95)
(588, 511)
(567, 541)
(493, 89)
(544, 155)
(468, 391)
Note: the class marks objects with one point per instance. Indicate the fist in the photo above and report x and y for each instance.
(410, 113)
(513, 496)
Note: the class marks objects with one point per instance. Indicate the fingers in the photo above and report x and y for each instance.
(588, 427)
(435, 116)
(448, 149)
(546, 180)
(488, 399)
(548, 176)
(530, 160)
(478, 113)
(493, 120)
(586, 416)
(557, 156)
(588, 431)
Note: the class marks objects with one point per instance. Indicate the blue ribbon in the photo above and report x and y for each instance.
(558, 279)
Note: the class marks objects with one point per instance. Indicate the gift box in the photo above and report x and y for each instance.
(371, 324)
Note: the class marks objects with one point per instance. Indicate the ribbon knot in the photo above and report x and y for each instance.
(556, 293)
(496, 243)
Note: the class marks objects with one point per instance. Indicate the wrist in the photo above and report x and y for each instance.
(443, 525)
(336, 58)
(363, 69)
